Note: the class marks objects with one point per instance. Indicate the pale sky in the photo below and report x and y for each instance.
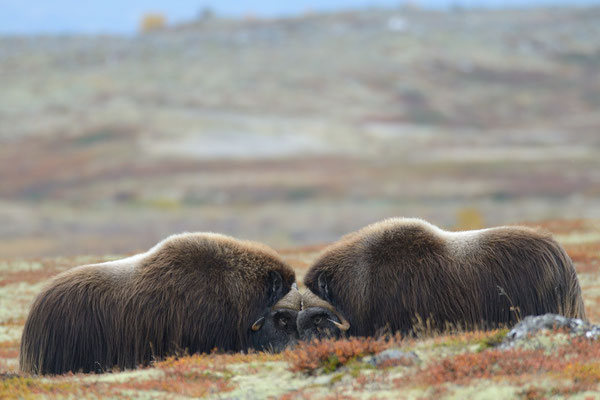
(112, 16)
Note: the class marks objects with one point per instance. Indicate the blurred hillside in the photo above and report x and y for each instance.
(295, 131)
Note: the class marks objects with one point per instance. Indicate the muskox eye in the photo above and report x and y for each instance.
(282, 322)
(317, 320)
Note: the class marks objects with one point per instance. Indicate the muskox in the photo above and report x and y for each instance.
(191, 293)
(401, 274)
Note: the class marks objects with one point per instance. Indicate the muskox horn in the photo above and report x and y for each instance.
(292, 300)
(258, 324)
(309, 299)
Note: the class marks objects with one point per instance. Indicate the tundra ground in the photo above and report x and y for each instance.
(457, 365)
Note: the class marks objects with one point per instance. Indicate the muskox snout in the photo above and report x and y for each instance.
(318, 323)
(318, 319)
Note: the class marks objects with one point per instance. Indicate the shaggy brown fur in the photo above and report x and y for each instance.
(192, 292)
(389, 275)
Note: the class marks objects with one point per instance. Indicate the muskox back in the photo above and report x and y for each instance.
(400, 272)
(190, 293)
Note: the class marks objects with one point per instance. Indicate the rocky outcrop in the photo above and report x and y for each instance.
(532, 325)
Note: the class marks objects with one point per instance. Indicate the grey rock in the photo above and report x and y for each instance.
(391, 354)
(531, 325)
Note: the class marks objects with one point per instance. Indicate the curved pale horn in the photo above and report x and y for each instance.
(343, 327)
(309, 299)
(258, 324)
(291, 301)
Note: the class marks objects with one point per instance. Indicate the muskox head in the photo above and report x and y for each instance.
(276, 328)
(319, 319)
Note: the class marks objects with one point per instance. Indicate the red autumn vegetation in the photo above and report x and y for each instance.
(330, 354)
(576, 361)
(194, 376)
